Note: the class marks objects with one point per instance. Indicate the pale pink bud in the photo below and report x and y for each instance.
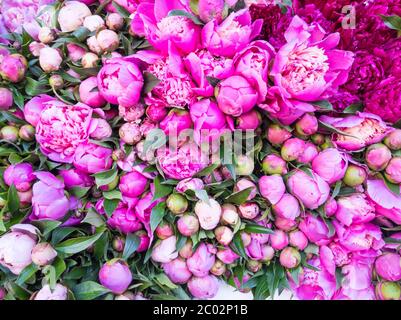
(290, 258)
(114, 21)
(188, 225)
(307, 125)
(393, 140)
(43, 254)
(50, 59)
(75, 52)
(89, 60)
(292, 149)
(71, 16)
(298, 239)
(94, 23)
(186, 251)
(46, 35)
(35, 47)
(6, 99)
(243, 184)
(377, 156)
(108, 40)
(249, 210)
(224, 235)
(244, 165)
(229, 214)
(279, 240)
(164, 230)
(129, 133)
(277, 135)
(102, 130)
(93, 45)
(274, 164)
(208, 213)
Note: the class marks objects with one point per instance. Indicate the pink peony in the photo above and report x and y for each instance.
(177, 271)
(204, 287)
(330, 164)
(62, 128)
(354, 209)
(20, 175)
(202, 260)
(315, 230)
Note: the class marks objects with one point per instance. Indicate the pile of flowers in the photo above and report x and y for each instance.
(155, 149)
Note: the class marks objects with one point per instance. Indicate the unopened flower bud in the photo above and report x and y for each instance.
(164, 230)
(188, 225)
(186, 251)
(56, 81)
(129, 133)
(177, 203)
(224, 235)
(249, 210)
(277, 135)
(46, 35)
(317, 139)
(244, 165)
(27, 132)
(246, 238)
(108, 40)
(377, 156)
(274, 164)
(9, 133)
(94, 23)
(290, 258)
(114, 21)
(253, 265)
(50, 59)
(89, 60)
(43, 254)
(219, 268)
(35, 47)
(388, 291)
(229, 214)
(354, 176)
(6, 98)
(118, 244)
(307, 125)
(393, 140)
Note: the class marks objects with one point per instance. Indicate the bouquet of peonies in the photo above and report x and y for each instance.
(157, 149)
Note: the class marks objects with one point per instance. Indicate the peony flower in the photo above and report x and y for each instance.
(189, 184)
(92, 158)
(298, 239)
(182, 163)
(330, 164)
(209, 214)
(211, 10)
(272, 188)
(120, 82)
(50, 59)
(177, 120)
(20, 175)
(308, 67)
(354, 209)
(72, 15)
(362, 129)
(34, 107)
(60, 292)
(226, 255)
(252, 63)
(75, 178)
(249, 121)
(287, 207)
(315, 230)
(393, 172)
(49, 200)
(177, 271)
(204, 287)
(377, 156)
(62, 128)
(43, 254)
(6, 99)
(115, 276)
(202, 64)
(133, 184)
(232, 35)
(311, 190)
(13, 67)
(388, 266)
(16, 247)
(89, 93)
(202, 260)
(124, 217)
(290, 258)
(236, 96)
(165, 250)
(188, 225)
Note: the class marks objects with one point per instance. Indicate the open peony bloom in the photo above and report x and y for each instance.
(49, 200)
(354, 209)
(309, 67)
(362, 129)
(232, 35)
(20, 175)
(315, 229)
(62, 128)
(120, 82)
(202, 64)
(182, 163)
(16, 247)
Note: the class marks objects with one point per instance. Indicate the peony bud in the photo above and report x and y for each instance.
(9, 133)
(204, 287)
(164, 230)
(274, 164)
(393, 170)
(253, 265)
(60, 292)
(307, 125)
(43, 254)
(277, 135)
(186, 250)
(244, 165)
(129, 133)
(188, 225)
(243, 184)
(46, 35)
(298, 239)
(354, 176)
(279, 240)
(388, 266)
(89, 60)
(102, 130)
(229, 215)
(267, 253)
(377, 156)
(165, 250)
(25, 198)
(177, 271)
(249, 210)
(71, 16)
(219, 268)
(208, 213)
(177, 203)
(114, 21)
(115, 276)
(118, 244)
(144, 240)
(211, 10)
(317, 139)
(224, 235)
(13, 67)
(50, 59)
(75, 52)
(56, 81)
(35, 47)
(292, 149)
(94, 23)
(290, 258)
(93, 45)
(388, 291)
(393, 140)
(309, 153)
(108, 40)
(6, 99)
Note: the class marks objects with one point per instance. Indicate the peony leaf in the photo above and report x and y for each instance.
(132, 242)
(110, 206)
(161, 190)
(257, 228)
(392, 22)
(75, 245)
(89, 290)
(26, 274)
(150, 81)
(324, 105)
(239, 197)
(121, 10)
(184, 13)
(157, 214)
(12, 199)
(93, 218)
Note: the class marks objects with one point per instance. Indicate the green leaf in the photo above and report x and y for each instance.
(339, 278)
(150, 81)
(194, 5)
(132, 243)
(105, 177)
(208, 170)
(27, 273)
(295, 274)
(93, 218)
(257, 228)
(239, 197)
(61, 233)
(89, 290)
(18, 98)
(213, 81)
(81, 34)
(121, 10)
(337, 189)
(75, 245)
(161, 190)
(78, 192)
(330, 128)
(202, 195)
(392, 22)
(184, 13)
(158, 212)
(46, 226)
(34, 87)
(12, 199)
(113, 194)
(163, 280)
(110, 206)
(353, 108)
(394, 188)
(59, 267)
(238, 246)
(324, 105)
